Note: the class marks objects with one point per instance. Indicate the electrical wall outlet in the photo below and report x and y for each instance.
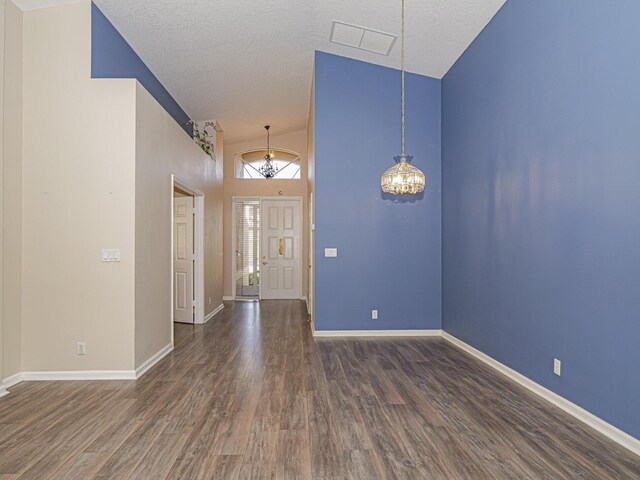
(82, 348)
(374, 314)
(209, 300)
(557, 366)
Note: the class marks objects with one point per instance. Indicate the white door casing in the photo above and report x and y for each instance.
(183, 260)
(310, 297)
(281, 262)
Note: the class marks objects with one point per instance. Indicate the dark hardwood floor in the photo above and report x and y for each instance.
(251, 395)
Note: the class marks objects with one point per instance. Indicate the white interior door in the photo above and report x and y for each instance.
(281, 276)
(183, 260)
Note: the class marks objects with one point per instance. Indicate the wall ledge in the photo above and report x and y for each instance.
(613, 433)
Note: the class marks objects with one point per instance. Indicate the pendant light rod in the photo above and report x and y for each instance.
(403, 178)
(267, 127)
(402, 62)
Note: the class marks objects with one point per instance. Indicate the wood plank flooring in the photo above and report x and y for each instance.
(251, 395)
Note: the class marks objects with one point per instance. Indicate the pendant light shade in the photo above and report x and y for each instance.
(403, 178)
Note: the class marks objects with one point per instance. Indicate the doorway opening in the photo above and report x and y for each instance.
(267, 248)
(187, 253)
(247, 249)
(184, 259)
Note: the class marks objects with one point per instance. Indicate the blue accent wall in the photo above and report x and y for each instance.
(541, 199)
(389, 252)
(113, 57)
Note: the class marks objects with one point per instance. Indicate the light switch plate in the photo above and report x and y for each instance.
(330, 252)
(110, 254)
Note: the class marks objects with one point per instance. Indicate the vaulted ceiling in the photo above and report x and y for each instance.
(249, 62)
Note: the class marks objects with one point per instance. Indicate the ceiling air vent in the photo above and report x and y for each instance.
(362, 38)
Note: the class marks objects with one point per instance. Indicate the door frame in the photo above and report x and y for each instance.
(311, 242)
(234, 240)
(300, 200)
(198, 237)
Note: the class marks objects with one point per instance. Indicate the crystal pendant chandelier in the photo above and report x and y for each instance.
(268, 170)
(403, 178)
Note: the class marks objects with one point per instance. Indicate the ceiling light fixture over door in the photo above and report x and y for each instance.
(268, 170)
(403, 178)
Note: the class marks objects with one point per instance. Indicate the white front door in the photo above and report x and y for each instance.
(281, 275)
(183, 260)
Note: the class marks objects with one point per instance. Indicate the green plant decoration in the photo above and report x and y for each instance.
(203, 138)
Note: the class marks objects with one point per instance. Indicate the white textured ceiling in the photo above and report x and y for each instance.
(247, 63)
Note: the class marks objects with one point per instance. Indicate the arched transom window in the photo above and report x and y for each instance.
(286, 162)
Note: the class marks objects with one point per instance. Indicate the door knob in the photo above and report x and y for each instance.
(264, 263)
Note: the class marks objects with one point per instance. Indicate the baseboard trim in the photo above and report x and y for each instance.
(377, 333)
(610, 431)
(80, 375)
(12, 380)
(228, 299)
(571, 408)
(306, 302)
(214, 313)
(146, 366)
(85, 374)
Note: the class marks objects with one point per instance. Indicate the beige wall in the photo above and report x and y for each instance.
(296, 141)
(96, 165)
(162, 149)
(78, 197)
(2, 7)
(12, 192)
